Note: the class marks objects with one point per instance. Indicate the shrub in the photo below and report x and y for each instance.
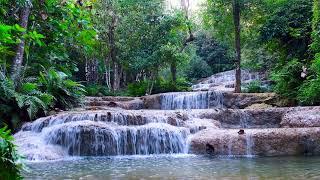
(309, 92)
(288, 79)
(10, 160)
(254, 87)
(138, 89)
(96, 90)
(163, 86)
(22, 100)
(66, 93)
(198, 69)
(159, 86)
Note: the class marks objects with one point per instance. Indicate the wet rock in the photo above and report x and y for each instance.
(183, 116)
(112, 104)
(241, 132)
(261, 142)
(121, 102)
(302, 117)
(152, 101)
(243, 100)
(259, 106)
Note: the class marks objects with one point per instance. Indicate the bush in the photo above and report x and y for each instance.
(96, 90)
(66, 93)
(309, 92)
(138, 89)
(254, 87)
(21, 101)
(163, 86)
(159, 86)
(198, 69)
(288, 79)
(10, 160)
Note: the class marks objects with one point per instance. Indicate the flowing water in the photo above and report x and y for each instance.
(176, 167)
(226, 79)
(102, 133)
(192, 100)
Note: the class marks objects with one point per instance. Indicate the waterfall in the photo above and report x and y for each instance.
(249, 144)
(225, 80)
(100, 139)
(102, 133)
(191, 100)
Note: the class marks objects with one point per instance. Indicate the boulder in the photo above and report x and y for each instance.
(302, 117)
(152, 101)
(261, 142)
(243, 100)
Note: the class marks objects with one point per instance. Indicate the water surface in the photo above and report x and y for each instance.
(176, 167)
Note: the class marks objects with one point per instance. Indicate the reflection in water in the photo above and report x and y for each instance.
(177, 167)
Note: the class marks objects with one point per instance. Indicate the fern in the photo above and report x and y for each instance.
(66, 93)
(10, 166)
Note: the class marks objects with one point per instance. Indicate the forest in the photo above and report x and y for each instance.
(54, 53)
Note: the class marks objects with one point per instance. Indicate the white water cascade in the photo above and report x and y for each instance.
(191, 100)
(104, 133)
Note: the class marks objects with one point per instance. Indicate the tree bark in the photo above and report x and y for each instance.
(18, 59)
(236, 18)
(113, 56)
(173, 69)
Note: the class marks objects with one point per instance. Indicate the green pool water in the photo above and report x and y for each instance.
(176, 167)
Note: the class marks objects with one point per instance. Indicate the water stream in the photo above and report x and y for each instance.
(176, 167)
(192, 100)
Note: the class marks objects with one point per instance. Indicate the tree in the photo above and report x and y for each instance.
(236, 19)
(18, 59)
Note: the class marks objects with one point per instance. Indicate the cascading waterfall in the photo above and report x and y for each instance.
(102, 134)
(227, 78)
(191, 100)
(249, 144)
(244, 118)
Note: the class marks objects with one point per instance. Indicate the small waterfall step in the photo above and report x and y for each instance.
(257, 142)
(191, 100)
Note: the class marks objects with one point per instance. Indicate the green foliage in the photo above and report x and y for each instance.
(18, 101)
(159, 86)
(289, 27)
(66, 93)
(163, 86)
(10, 160)
(198, 69)
(8, 37)
(138, 89)
(315, 46)
(309, 92)
(288, 79)
(215, 54)
(254, 87)
(96, 90)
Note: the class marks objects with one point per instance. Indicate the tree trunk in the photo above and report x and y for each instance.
(116, 76)
(108, 73)
(236, 18)
(173, 70)
(113, 56)
(92, 71)
(18, 59)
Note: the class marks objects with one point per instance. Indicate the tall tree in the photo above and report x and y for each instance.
(18, 59)
(236, 19)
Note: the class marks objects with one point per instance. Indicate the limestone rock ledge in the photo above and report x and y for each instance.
(261, 142)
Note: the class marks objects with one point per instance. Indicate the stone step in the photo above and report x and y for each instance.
(259, 142)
